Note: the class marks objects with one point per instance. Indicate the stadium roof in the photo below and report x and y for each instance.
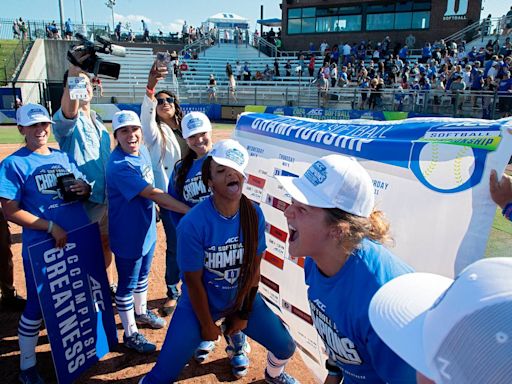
(275, 22)
(223, 17)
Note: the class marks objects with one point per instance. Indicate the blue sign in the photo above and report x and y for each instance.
(75, 300)
(213, 111)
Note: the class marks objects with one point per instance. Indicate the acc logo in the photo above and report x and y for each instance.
(195, 122)
(36, 112)
(235, 155)
(316, 174)
(315, 112)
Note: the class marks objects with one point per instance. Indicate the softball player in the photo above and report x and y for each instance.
(30, 198)
(187, 186)
(132, 226)
(332, 221)
(220, 242)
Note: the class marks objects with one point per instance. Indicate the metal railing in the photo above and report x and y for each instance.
(482, 29)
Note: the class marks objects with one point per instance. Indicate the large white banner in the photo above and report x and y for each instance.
(431, 178)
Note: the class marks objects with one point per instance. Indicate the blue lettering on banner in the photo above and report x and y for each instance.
(413, 144)
(75, 300)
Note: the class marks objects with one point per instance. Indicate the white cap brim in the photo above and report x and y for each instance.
(36, 121)
(229, 163)
(303, 193)
(398, 310)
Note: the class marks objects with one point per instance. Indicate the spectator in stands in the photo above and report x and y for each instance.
(117, 31)
(82, 135)
(97, 86)
(229, 70)
(238, 70)
(323, 47)
(68, 29)
(184, 32)
(145, 30)
(247, 72)
(457, 88)
(485, 26)
(508, 22)
(41, 211)
(426, 53)
(288, 68)
(375, 100)
(16, 30)
(131, 36)
(276, 68)
(333, 68)
(505, 94)
(489, 88)
(161, 117)
(364, 89)
(212, 89)
(23, 28)
(311, 66)
(232, 87)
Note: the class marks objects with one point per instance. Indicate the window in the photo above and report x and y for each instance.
(421, 20)
(294, 26)
(326, 24)
(403, 20)
(294, 13)
(308, 12)
(350, 23)
(308, 25)
(402, 6)
(380, 21)
(380, 8)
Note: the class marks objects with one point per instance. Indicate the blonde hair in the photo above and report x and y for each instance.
(375, 227)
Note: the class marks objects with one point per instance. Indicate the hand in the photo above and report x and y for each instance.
(60, 236)
(332, 379)
(234, 324)
(211, 332)
(501, 191)
(156, 74)
(81, 188)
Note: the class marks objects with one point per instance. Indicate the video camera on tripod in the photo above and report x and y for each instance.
(94, 63)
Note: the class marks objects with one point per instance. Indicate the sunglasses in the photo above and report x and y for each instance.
(161, 101)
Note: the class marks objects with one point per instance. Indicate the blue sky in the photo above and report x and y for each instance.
(165, 14)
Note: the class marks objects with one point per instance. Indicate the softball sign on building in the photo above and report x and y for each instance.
(431, 178)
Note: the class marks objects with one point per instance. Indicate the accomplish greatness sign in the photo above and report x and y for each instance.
(431, 178)
(75, 299)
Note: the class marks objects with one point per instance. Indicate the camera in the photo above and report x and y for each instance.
(94, 63)
(64, 183)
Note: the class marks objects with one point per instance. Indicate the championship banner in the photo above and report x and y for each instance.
(75, 300)
(431, 179)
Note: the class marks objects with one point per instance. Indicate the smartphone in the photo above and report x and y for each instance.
(163, 58)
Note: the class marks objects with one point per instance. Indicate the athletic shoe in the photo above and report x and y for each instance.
(139, 343)
(283, 378)
(204, 349)
(237, 351)
(150, 319)
(30, 376)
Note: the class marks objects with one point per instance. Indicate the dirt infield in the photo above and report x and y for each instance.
(122, 365)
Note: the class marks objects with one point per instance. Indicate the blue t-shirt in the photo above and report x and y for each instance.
(194, 191)
(30, 179)
(339, 308)
(131, 218)
(212, 243)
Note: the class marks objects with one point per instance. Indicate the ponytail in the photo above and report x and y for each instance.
(181, 170)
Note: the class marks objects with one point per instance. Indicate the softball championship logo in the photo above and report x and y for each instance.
(451, 159)
(316, 174)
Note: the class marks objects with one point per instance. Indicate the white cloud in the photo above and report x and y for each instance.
(153, 25)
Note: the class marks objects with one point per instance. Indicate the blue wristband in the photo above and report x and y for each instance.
(507, 211)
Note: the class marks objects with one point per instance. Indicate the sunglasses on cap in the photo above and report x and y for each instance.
(169, 100)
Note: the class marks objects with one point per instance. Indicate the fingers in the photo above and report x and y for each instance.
(493, 181)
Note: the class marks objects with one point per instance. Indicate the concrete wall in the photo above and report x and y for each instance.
(33, 71)
(56, 51)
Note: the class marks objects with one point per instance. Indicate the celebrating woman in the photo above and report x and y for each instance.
(220, 243)
(30, 198)
(332, 221)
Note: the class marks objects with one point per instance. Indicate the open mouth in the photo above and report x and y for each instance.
(293, 233)
(233, 186)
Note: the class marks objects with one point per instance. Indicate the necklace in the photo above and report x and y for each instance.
(223, 216)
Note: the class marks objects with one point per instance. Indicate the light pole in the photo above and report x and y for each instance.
(111, 4)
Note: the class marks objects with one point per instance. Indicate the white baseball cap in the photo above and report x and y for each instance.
(123, 118)
(195, 122)
(30, 114)
(230, 153)
(451, 331)
(334, 181)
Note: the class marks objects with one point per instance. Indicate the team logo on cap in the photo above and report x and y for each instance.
(35, 112)
(235, 155)
(124, 117)
(316, 174)
(194, 122)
